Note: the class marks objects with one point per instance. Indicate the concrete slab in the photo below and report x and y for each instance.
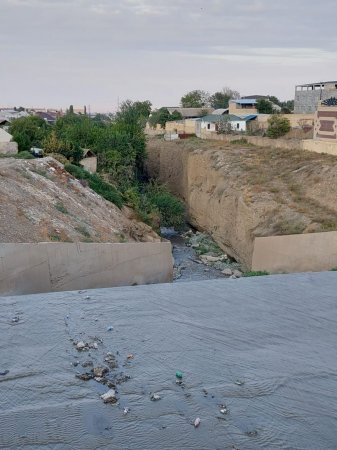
(265, 347)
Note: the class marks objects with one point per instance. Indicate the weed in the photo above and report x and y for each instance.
(60, 207)
(55, 237)
(83, 230)
(256, 273)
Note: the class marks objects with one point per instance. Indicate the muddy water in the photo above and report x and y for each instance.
(187, 265)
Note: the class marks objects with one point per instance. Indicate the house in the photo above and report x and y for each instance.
(214, 123)
(243, 106)
(48, 117)
(7, 146)
(89, 160)
(308, 96)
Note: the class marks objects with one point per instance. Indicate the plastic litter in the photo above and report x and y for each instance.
(154, 397)
(179, 374)
(109, 397)
(197, 422)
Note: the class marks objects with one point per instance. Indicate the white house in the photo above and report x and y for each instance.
(213, 122)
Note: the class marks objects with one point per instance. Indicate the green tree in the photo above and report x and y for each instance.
(264, 106)
(221, 99)
(195, 99)
(277, 126)
(29, 132)
(161, 116)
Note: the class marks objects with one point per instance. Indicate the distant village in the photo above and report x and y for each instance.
(244, 115)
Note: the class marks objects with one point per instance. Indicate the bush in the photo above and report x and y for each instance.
(277, 126)
(97, 184)
(24, 155)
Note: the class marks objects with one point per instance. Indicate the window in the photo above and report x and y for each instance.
(208, 126)
(237, 126)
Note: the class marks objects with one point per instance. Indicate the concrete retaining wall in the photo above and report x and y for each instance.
(311, 252)
(44, 267)
(8, 148)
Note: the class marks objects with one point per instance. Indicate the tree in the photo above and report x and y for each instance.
(161, 116)
(264, 106)
(277, 126)
(195, 99)
(176, 115)
(221, 99)
(29, 132)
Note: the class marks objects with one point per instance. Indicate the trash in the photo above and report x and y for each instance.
(81, 292)
(252, 433)
(4, 372)
(109, 397)
(125, 411)
(80, 346)
(93, 345)
(155, 397)
(110, 328)
(179, 374)
(87, 297)
(15, 319)
(239, 382)
(197, 422)
(130, 356)
(100, 371)
(223, 409)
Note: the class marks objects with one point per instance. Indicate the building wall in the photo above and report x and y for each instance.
(186, 126)
(307, 101)
(4, 136)
(8, 148)
(312, 252)
(234, 108)
(326, 124)
(90, 163)
(48, 266)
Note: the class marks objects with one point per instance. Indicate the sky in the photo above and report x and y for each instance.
(54, 53)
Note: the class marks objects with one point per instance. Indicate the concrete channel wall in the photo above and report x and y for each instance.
(312, 252)
(47, 266)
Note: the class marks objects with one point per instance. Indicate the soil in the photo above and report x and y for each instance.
(41, 202)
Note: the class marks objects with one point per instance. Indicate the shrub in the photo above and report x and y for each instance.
(277, 126)
(97, 184)
(24, 155)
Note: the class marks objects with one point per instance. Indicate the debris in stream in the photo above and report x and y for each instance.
(179, 374)
(109, 397)
(155, 397)
(197, 422)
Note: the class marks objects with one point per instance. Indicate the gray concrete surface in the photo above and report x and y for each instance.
(264, 347)
(50, 266)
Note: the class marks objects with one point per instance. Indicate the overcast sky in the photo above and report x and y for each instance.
(60, 52)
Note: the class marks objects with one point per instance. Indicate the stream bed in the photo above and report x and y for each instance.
(190, 261)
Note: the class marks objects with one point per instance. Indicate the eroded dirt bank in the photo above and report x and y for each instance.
(41, 202)
(237, 192)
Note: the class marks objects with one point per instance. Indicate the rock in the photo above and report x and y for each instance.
(87, 364)
(100, 371)
(227, 272)
(237, 273)
(85, 376)
(4, 372)
(155, 397)
(210, 259)
(109, 397)
(197, 422)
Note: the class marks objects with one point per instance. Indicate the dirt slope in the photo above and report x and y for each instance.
(40, 201)
(238, 192)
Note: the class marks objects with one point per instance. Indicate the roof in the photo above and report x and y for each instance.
(220, 111)
(212, 118)
(189, 112)
(245, 101)
(47, 116)
(316, 84)
(264, 346)
(87, 153)
(248, 117)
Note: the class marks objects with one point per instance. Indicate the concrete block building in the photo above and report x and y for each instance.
(308, 96)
